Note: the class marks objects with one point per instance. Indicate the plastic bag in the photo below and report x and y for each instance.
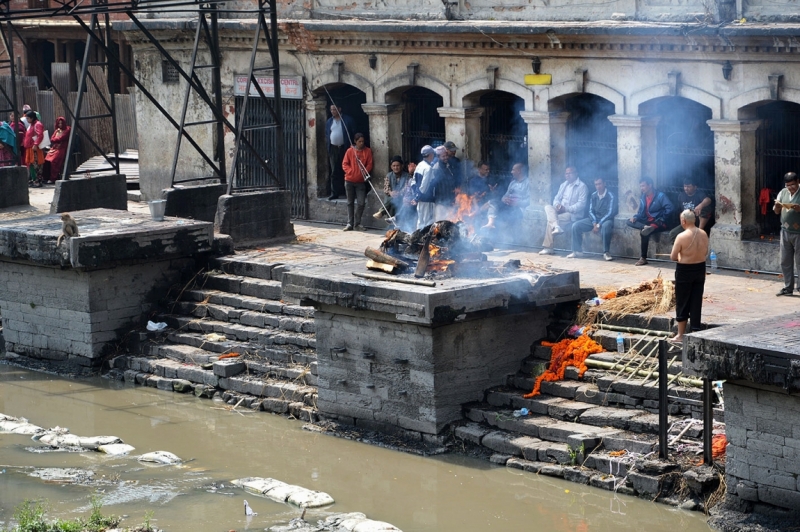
(152, 326)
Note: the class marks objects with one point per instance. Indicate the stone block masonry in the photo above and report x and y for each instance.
(54, 314)
(13, 186)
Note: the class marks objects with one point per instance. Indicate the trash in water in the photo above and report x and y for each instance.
(152, 326)
(248, 510)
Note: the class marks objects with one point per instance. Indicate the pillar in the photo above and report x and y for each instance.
(547, 152)
(58, 47)
(734, 174)
(636, 157)
(385, 125)
(317, 166)
(463, 127)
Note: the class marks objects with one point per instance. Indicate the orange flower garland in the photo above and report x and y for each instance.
(567, 352)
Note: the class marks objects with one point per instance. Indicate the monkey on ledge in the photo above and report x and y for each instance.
(69, 227)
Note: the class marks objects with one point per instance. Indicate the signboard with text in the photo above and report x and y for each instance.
(291, 86)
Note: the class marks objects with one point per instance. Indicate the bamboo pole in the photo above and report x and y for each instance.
(375, 277)
(599, 364)
(632, 330)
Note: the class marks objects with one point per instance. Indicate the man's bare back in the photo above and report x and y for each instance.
(691, 246)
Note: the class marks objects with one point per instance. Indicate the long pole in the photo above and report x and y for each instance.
(663, 401)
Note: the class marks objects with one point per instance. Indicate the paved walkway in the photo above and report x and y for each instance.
(730, 296)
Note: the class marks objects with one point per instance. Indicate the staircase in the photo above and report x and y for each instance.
(233, 308)
(601, 429)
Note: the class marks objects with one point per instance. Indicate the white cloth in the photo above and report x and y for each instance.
(337, 132)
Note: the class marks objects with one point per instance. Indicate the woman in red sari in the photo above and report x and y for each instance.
(34, 158)
(54, 162)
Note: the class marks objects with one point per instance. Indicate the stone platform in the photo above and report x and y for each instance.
(70, 302)
(760, 361)
(397, 357)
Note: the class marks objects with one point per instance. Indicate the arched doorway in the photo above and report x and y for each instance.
(421, 121)
(504, 135)
(591, 143)
(685, 144)
(777, 152)
(349, 100)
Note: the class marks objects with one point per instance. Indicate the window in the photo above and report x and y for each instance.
(169, 74)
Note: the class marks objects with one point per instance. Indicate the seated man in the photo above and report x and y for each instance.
(568, 206)
(602, 208)
(696, 201)
(654, 211)
(516, 198)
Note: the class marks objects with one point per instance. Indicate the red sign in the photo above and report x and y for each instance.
(291, 86)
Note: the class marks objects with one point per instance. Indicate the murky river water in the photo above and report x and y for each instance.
(415, 494)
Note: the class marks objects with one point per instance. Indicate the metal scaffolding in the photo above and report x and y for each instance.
(98, 32)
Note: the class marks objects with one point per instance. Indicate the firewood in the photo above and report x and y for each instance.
(381, 267)
(379, 256)
(424, 257)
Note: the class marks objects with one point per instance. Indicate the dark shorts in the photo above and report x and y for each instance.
(690, 282)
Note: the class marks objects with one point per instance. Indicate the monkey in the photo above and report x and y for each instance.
(69, 227)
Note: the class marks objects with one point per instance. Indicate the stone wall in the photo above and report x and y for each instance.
(763, 455)
(13, 186)
(382, 374)
(57, 314)
(83, 193)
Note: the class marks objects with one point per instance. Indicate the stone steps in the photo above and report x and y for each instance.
(243, 302)
(246, 286)
(245, 317)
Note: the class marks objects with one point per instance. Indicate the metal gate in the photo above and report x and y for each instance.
(591, 140)
(421, 122)
(504, 139)
(251, 175)
(777, 143)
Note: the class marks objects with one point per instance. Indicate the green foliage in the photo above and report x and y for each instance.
(30, 517)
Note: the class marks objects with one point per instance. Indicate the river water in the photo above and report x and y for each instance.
(441, 494)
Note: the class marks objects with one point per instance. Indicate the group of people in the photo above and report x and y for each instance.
(418, 194)
(26, 142)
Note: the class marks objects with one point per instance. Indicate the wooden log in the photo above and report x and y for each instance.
(380, 256)
(424, 257)
(381, 267)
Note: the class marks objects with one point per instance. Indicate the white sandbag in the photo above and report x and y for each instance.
(281, 492)
(160, 457)
(95, 442)
(60, 440)
(116, 449)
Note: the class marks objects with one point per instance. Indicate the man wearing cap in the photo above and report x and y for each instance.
(338, 131)
(455, 163)
(445, 183)
(423, 177)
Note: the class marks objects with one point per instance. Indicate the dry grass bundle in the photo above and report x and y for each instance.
(650, 298)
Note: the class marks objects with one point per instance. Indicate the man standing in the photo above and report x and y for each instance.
(602, 208)
(357, 165)
(423, 176)
(568, 206)
(445, 183)
(516, 198)
(654, 211)
(696, 201)
(787, 204)
(338, 129)
(690, 250)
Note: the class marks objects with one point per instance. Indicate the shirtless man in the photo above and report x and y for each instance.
(690, 251)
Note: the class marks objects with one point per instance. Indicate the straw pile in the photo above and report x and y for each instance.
(650, 298)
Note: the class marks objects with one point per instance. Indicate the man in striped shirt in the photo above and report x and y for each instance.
(602, 208)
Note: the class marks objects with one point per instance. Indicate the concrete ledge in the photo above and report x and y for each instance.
(77, 194)
(13, 186)
(255, 216)
(195, 203)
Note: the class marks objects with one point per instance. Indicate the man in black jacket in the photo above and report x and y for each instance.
(602, 208)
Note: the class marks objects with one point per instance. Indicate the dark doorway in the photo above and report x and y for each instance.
(349, 100)
(44, 53)
(421, 121)
(504, 135)
(685, 145)
(777, 152)
(591, 140)
(252, 175)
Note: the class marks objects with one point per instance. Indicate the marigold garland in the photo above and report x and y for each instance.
(567, 352)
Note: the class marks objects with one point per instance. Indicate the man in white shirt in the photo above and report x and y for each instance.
(568, 205)
(338, 130)
(423, 176)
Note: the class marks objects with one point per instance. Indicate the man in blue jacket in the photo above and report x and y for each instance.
(654, 212)
(338, 131)
(602, 208)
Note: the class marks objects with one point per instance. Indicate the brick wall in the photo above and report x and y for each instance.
(57, 314)
(763, 455)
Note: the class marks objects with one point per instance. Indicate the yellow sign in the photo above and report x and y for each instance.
(538, 79)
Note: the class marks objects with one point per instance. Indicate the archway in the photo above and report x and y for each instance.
(685, 144)
(421, 121)
(591, 143)
(349, 100)
(777, 152)
(504, 135)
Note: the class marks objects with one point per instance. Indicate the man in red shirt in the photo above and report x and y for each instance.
(357, 165)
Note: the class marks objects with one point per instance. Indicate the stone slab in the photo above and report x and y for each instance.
(83, 193)
(196, 202)
(13, 186)
(255, 216)
(107, 237)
